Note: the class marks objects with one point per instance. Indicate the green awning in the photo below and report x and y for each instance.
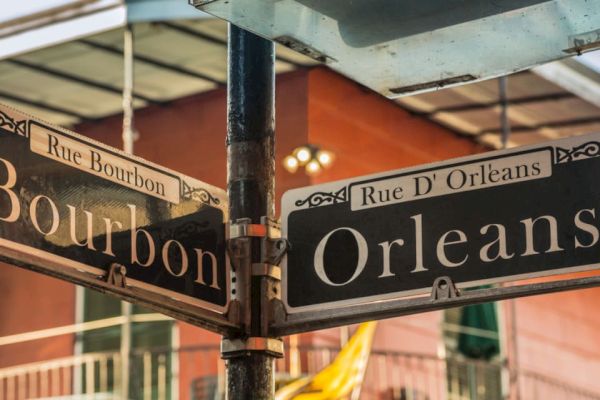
(481, 317)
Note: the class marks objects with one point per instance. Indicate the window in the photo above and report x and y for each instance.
(150, 346)
(472, 342)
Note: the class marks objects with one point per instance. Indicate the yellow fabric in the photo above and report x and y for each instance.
(339, 378)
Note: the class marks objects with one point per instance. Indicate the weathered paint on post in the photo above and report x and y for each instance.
(251, 174)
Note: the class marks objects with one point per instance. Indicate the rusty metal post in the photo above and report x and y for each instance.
(251, 174)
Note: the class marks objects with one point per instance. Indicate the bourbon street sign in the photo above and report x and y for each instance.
(494, 217)
(76, 209)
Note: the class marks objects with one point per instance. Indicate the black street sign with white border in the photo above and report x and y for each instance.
(83, 211)
(495, 217)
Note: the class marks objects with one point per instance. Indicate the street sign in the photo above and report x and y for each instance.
(400, 48)
(490, 218)
(82, 211)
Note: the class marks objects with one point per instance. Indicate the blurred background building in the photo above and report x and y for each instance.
(66, 61)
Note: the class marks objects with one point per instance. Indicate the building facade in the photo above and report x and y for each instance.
(60, 340)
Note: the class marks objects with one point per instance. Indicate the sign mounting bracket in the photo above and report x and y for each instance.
(444, 288)
(272, 250)
(116, 275)
(238, 249)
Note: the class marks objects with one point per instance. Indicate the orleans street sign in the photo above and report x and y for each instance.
(82, 211)
(495, 217)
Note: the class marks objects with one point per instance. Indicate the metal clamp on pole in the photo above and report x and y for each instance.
(234, 347)
(273, 248)
(268, 270)
(244, 227)
(240, 258)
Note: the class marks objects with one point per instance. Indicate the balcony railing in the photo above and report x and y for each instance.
(95, 375)
(158, 375)
(410, 376)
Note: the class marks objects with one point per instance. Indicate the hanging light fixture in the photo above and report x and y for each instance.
(309, 156)
(303, 154)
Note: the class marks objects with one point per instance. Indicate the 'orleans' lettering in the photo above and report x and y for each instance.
(451, 248)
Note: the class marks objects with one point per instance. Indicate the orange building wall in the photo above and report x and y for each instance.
(31, 302)
(368, 134)
(558, 336)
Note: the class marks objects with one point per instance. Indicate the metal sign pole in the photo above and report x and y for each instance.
(250, 145)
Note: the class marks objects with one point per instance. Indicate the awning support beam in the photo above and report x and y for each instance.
(153, 61)
(78, 79)
(44, 106)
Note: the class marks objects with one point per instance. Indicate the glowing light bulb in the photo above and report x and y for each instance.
(313, 167)
(325, 158)
(290, 163)
(303, 155)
